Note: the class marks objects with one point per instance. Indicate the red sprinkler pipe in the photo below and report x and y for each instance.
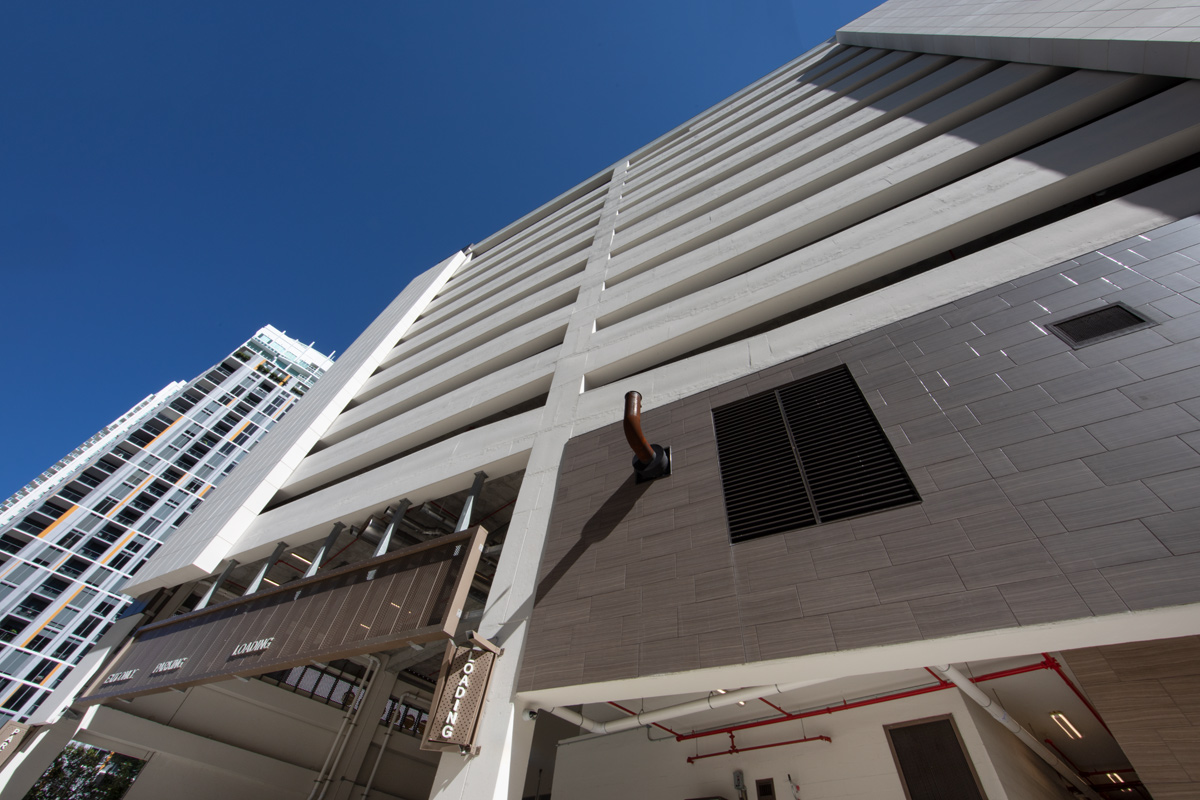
(733, 748)
(772, 705)
(942, 686)
(1057, 667)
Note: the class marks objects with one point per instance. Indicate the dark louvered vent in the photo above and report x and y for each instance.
(803, 454)
(1096, 326)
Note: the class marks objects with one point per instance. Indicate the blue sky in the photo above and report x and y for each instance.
(175, 175)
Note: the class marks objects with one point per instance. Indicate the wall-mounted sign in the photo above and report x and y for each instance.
(407, 597)
(10, 739)
(458, 699)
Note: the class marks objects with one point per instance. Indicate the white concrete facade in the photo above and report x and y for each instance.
(868, 181)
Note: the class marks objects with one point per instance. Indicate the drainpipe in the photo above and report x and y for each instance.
(332, 746)
(670, 712)
(323, 779)
(382, 747)
(650, 461)
(951, 673)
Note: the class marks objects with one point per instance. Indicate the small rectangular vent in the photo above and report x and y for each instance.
(806, 453)
(1099, 325)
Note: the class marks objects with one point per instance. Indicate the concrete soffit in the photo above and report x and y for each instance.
(1151, 41)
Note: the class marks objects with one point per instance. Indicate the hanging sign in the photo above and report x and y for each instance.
(410, 596)
(458, 699)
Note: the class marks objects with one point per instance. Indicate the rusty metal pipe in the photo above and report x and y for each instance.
(633, 428)
(650, 461)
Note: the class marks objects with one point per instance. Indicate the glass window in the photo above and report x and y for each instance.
(53, 587)
(84, 597)
(20, 573)
(88, 522)
(63, 618)
(87, 626)
(10, 628)
(38, 643)
(31, 606)
(65, 649)
(73, 567)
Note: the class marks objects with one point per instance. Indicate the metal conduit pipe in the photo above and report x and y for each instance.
(951, 673)
(671, 712)
(332, 746)
(387, 734)
(324, 780)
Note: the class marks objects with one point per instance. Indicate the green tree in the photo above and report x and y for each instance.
(83, 772)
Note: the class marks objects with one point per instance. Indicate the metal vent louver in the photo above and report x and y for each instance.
(803, 454)
(1096, 326)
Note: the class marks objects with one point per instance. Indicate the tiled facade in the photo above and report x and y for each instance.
(1056, 484)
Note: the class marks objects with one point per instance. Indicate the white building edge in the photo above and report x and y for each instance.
(943, 177)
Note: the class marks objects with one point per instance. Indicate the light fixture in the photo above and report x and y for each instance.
(720, 691)
(268, 580)
(300, 558)
(741, 702)
(1114, 777)
(1064, 723)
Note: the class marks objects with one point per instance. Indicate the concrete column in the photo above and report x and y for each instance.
(358, 743)
(37, 753)
(504, 737)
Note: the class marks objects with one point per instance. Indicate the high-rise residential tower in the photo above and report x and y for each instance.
(72, 538)
(907, 508)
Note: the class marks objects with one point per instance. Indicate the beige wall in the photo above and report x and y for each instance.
(1149, 694)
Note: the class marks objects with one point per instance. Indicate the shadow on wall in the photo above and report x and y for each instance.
(598, 527)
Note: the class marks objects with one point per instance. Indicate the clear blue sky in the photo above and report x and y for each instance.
(175, 175)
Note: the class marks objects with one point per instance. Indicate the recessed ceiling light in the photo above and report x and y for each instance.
(1064, 723)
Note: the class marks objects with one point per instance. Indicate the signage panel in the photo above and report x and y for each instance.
(458, 699)
(410, 596)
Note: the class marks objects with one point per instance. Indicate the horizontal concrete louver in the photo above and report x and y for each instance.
(874, 193)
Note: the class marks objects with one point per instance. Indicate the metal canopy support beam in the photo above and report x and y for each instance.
(386, 540)
(216, 584)
(464, 518)
(266, 567)
(326, 546)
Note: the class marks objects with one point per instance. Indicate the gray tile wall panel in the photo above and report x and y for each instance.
(1056, 483)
